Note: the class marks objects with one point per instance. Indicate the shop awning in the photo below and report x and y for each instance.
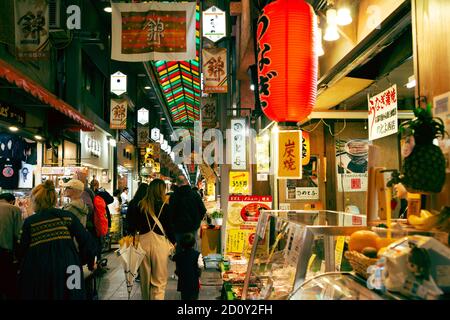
(16, 77)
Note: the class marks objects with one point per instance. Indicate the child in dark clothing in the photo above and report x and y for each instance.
(188, 268)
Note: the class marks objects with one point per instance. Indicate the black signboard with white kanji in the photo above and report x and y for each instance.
(11, 115)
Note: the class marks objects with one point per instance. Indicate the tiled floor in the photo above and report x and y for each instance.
(112, 285)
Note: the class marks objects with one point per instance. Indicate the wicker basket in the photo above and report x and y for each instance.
(360, 262)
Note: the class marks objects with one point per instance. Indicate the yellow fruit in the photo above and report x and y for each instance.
(384, 242)
(362, 239)
(415, 220)
(381, 251)
(425, 214)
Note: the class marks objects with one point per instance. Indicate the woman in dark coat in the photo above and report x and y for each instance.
(51, 266)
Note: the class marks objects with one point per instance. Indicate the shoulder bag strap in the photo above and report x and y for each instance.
(157, 222)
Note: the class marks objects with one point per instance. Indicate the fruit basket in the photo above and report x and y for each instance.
(360, 262)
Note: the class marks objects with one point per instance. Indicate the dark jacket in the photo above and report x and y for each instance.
(187, 209)
(187, 270)
(137, 222)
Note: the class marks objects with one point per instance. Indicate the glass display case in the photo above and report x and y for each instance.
(335, 286)
(301, 245)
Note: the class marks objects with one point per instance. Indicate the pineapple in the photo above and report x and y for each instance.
(423, 171)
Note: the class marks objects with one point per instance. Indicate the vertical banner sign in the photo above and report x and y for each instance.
(143, 136)
(214, 24)
(263, 153)
(306, 148)
(209, 112)
(352, 161)
(239, 183)
(238, 145)
(289, 154)
(153, 31)
(31, 25)
(118, 117)
(118, 83)
(215, 70)
(242, 218)
(383, 118)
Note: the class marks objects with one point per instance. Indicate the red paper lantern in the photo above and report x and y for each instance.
(287, 60)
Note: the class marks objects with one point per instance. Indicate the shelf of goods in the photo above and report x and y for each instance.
(305, 245)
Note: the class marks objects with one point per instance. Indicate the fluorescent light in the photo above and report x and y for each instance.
(344, 17)
(108, 9)
(411, 82)
(252, 87)
(13, 129)
(147, 87)
(331, 34)
(38, 137)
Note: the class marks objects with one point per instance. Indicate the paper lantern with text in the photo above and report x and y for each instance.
(287, 60)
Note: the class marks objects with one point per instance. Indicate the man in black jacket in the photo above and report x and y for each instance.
(187, 209)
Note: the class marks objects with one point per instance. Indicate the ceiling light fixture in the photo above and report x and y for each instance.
(147, 87)
(344, 17)
(331, 33)
(13, 129)
(107, 9)
(252, 87)
(38, 137)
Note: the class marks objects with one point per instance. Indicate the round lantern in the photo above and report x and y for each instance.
(287, 60)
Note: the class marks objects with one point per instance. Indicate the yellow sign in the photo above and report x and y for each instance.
(239, 183)
(211, 189)
(306, 148)
(339, 250)
(157, 167)
(289, 154)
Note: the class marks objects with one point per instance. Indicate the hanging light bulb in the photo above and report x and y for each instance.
(320, 51)
(344, 17)
(331, 33)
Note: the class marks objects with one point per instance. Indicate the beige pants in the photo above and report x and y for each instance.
(153, 269)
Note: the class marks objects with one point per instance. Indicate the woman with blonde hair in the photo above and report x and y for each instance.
(51, 267)
(154, 223)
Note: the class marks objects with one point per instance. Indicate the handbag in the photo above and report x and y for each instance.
(158, 223)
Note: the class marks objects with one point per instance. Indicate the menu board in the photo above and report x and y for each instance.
(241, 222)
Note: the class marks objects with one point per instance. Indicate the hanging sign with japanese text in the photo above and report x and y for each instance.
(118, 83)
(239, 183)
(383, 117)
(153, 31)
(11, 115)
(209, 112)
(263, 154)
(155, 134)
(289, 154)
(143, 116)
(215, 70)
(214, 24)
(118, 118)
(306, 188)
(238, 145)
(32, 30)
(306, 148)
(241, 221)
(143, 136)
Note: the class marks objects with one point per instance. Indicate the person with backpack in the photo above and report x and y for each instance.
(187, 209)
(100, 220)
(73, 190)
(189, 264)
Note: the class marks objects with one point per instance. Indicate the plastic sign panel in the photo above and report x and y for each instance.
(383, 117)
(118, 83)
(214, 24)
(263, 154)
(239, 183)
(155, 134)
(238, 145)
(143, 116)
(289, 154)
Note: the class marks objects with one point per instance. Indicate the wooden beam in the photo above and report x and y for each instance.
(235, 8)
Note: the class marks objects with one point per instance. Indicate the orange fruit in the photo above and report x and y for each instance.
(362, 239)
(384, 242)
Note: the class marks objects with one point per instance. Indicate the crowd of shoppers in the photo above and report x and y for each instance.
(38, 255)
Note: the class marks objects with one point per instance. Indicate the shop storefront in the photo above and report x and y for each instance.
(97, 155)
(126, 166)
